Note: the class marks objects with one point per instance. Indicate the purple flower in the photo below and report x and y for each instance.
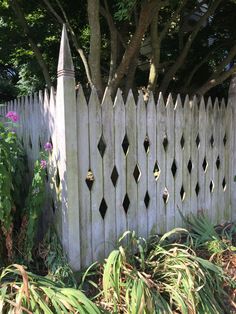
(43, 164)
(48, 147)
(13, 116)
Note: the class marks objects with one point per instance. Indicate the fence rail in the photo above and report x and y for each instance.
(119, 166)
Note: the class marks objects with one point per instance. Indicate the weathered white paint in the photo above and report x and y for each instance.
(67, 152)
(75, 127)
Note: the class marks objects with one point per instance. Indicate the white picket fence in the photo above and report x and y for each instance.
(119, 166)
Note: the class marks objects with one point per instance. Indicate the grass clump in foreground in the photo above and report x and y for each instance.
(184, 271)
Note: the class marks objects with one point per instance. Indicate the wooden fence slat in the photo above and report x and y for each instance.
(215, 172)
(120, 163)
(232, 139)
(95, 131)
(161, 165)
(209, 158)
(179, 129)
(55, 190)
(202, 154)
(232, 154)
(170, 161)
(131, 188)
(186, 158)
(85, 179)
(108, 165)
(151, 160)
(143, 193)
(194, 156)
(226, 184)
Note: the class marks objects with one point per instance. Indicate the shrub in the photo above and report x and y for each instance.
(163, 277)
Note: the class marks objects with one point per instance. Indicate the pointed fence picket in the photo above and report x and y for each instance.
(119, 166)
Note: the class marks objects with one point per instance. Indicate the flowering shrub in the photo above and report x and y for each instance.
(19, 214)
(12, 169)
(34, 203)
(13, 116)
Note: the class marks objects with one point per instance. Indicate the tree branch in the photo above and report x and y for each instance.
(22, 21)
(113, 36)
(181, 58)
(199, 65)
(73, 36)
(172, 19)
(145, 19)
(219, 75)
(216, 81)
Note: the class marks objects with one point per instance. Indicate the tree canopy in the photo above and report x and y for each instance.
(182, 46)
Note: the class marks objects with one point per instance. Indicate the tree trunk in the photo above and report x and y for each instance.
(145, 19)
(114, 40)
(155, 58)
(95, 45)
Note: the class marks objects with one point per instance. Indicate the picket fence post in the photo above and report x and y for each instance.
(67, 152)
(232, 107)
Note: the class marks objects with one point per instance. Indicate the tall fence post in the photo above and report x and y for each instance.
(232, 104)
(67, 154)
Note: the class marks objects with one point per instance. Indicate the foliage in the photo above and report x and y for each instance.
(164, 278)
(11, 171)
(22, 291)
(19, 216)
(55, 260)
(34, 204)
(119, 22)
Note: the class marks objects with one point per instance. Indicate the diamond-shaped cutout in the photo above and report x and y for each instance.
(114, 176)
(89, 179)
(147, 199)
(218, 162)
(212, 141)
(165, 143)
(126, 203)
(46, 174)
(165, 195)
(190, 166)
(182, 141)
(53, 207)
(30, 142)
(204, 165)
(224, 184)
(197, 189)
(197, 141)
(174, 168)
(137, 173)
(146, 144)
(125, 145)
(40, 144)
(102, 146)
(211, 186)
(225, 140)
(182, 193)
(58, 179)
(103, 208)
(156, 171)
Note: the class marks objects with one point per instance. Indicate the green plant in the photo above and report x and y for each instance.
(34, 205)
(11, 159)
(55, 260)
(163, 277)
(12, 169)
(24, 292)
